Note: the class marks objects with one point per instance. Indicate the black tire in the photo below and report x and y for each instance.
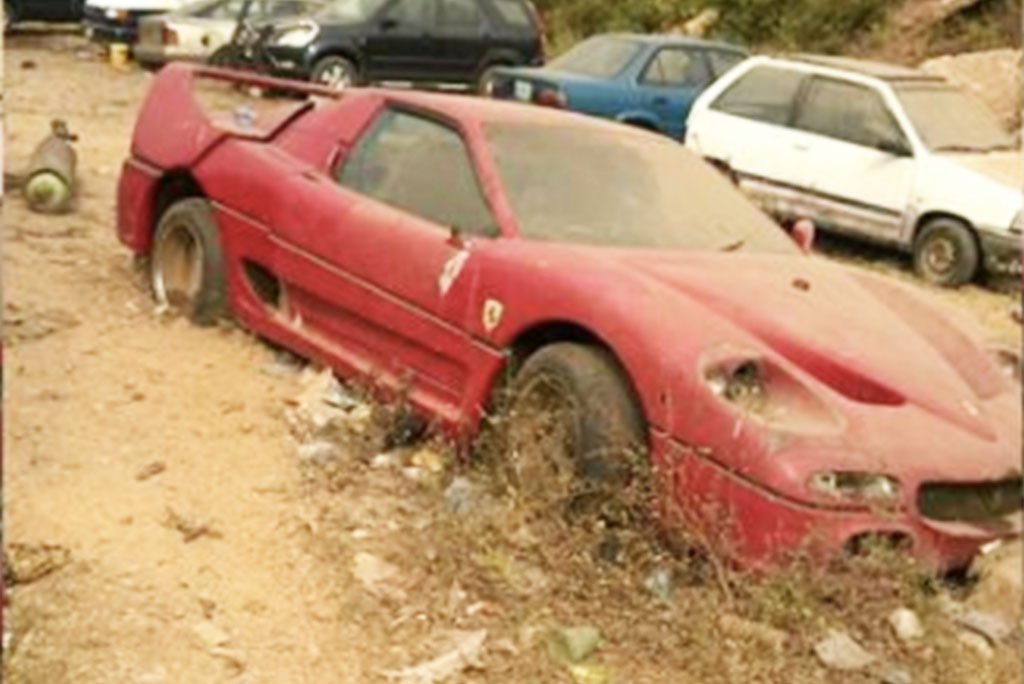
(946, 253)
(226, 57)
(187, 262)
(335, 71)
(574, 437)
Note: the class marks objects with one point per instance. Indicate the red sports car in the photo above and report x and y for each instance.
(438, 247)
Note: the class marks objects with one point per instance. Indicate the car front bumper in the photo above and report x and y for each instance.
(1001, 252)
(762, 530)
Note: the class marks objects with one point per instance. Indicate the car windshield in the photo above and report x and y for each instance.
(567, 183)
(598, 57)
(948, 120)
(350, 11)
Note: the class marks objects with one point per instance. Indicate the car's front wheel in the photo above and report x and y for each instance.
(187, 262)
(335, 72)
(946, 253)
(573, 437)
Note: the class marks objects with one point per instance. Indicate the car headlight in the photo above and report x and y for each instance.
(856, 487)
(297, 35)
(765, 392)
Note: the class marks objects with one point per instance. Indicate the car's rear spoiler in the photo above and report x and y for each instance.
(174, 129)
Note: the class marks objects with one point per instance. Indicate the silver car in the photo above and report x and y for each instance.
(199, 28)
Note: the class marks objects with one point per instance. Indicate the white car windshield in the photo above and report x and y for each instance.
(567, 183)
(350, 11)
(948, 120)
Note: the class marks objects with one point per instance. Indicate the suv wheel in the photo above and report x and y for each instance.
(946, 253)
(485, 81)
(335, 72)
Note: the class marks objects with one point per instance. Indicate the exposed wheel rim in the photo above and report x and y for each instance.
(940, 256)
(177, 267)
(486, 84)
(336, 76)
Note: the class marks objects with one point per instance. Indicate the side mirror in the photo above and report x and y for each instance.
(803, 233)
(895, 145)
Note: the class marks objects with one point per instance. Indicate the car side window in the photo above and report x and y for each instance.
(460, 14)
(847, 111)
(676, 67)
(514, 13)
(422, 167)
(722, 61)
(765, 93)
(411, 12)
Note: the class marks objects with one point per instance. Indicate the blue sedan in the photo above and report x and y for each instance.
(648, 81)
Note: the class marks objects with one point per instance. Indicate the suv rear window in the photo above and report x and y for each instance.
(513, 13)
(765, 93)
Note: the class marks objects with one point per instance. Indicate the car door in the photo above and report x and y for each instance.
(858, 160)
(669, 83)
(378, 262)
(401, 44)
(461, 41)
(748, 129)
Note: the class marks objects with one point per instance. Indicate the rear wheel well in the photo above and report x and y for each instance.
(928, 217)
(641, 123)
(530, 341)
(174, 186)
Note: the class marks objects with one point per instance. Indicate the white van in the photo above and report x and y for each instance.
(886, 153)
(117, 21)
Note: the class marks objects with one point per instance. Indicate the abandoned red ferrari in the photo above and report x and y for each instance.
(440, 247)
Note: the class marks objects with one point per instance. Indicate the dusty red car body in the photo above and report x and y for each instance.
(906, 392)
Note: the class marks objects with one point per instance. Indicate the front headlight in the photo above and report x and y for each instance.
(765, 392)
(298, 35)
(855, 487)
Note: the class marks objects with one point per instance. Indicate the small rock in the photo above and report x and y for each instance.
(892, 674)
(28, 563)
(977, 643)
(429, 460)
(906, 624)
(573, 644)
(385, 461)
(840, 652)
(150, 470)
(210, 634)
(320, 452)
(738, 628)
(998, 591)
(28, 64)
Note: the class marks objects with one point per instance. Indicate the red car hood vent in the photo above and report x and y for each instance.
(867, 344)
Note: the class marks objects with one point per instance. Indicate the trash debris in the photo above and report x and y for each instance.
(573, 644)
(589, 673)
(429, 460)
(210, 634)
(325, 405)
(150, 470)
(998, 590)
(320, 452)
(977, 643)
(49, 181)
(461, 496)
(906, 624)
(374, 574)
(840, 652)
(992, 627)
(892, 674)
(463, 655)
(661, 583)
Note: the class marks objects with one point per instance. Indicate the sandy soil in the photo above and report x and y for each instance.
(163, 529)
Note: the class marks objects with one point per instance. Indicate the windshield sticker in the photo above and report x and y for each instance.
(450, 272)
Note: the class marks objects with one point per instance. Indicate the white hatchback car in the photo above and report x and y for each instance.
(878, 151)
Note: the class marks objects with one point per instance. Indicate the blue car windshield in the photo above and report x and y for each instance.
(618, 188)
(602, 57)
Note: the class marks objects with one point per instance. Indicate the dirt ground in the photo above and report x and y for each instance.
(163, 526)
